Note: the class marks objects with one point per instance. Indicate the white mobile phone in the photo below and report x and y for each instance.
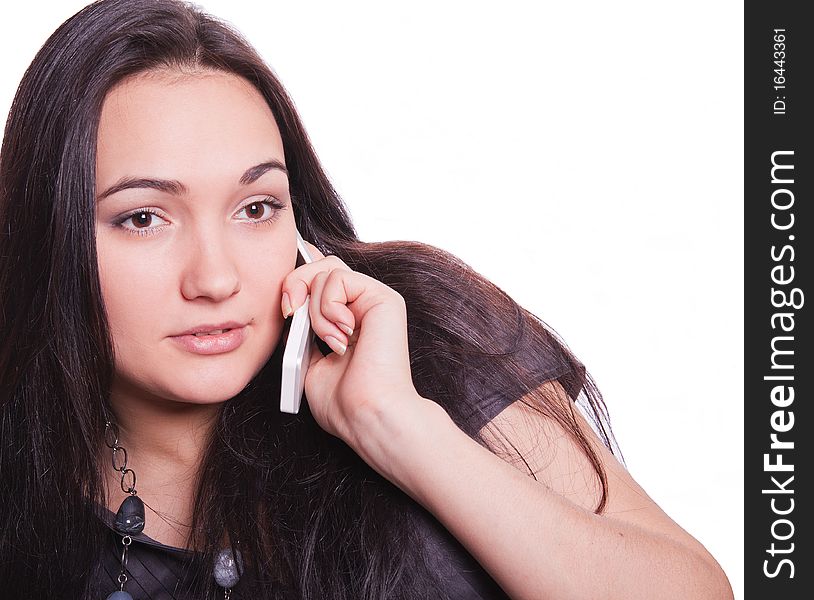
(297, 353)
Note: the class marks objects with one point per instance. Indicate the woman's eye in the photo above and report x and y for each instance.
(141, 221)
(256, 211)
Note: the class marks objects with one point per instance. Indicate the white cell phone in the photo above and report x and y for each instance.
(297, 353)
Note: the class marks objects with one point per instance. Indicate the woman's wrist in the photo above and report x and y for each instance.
(396, 438)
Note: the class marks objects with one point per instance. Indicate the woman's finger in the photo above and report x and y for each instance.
(296, 284)
(333, 303)
(322, 326)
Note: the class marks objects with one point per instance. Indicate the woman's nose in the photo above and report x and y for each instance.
(211, 268)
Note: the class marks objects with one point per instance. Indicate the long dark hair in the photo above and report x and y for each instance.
(310, 514)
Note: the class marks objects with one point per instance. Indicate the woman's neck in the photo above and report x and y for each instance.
(165, 443)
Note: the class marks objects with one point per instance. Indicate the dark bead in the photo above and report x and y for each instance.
(228, 568)
(130, 517)
(118, 595)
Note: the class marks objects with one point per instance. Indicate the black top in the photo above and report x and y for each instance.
(156, 569)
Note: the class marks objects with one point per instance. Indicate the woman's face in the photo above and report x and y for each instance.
(189, 168)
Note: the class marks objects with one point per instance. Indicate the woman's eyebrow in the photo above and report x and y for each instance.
(254, 173)
(172, 186)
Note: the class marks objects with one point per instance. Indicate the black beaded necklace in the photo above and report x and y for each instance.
(130, 521)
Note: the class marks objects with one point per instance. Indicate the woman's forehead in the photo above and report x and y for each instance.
(174, 122)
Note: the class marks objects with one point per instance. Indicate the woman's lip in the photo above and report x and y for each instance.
(211, 344)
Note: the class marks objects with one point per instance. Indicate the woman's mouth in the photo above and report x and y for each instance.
(217, 341)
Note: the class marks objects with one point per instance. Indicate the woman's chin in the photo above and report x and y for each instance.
(206, 389)
(209, 392)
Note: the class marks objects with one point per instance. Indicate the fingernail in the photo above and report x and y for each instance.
(286, 305)
(347, 330)
(335, 344)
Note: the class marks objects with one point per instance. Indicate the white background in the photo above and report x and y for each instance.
(584, 156)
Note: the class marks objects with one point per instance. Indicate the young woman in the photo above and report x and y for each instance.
(153, 178)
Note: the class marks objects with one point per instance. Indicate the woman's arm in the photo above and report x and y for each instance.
(539, 539)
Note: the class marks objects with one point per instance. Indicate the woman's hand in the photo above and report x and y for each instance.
(374, 370)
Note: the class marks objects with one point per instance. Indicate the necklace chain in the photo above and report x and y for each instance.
(128, 476)
(119, 459)
(228, 567)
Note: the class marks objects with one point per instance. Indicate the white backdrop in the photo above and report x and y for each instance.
(584, 156)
